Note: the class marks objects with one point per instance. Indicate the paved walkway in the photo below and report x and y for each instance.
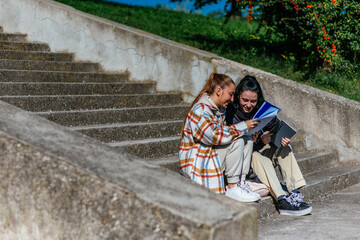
(335, 217)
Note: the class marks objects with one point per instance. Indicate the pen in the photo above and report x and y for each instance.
(262, 131)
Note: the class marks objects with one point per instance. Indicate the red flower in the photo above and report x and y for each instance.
(333, 48)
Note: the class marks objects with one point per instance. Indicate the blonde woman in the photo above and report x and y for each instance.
(210, 151)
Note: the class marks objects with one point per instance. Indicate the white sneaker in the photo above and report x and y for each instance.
(246, 187)
(241, 194)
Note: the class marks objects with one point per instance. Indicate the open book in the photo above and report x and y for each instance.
(284, 130)
(264, 115)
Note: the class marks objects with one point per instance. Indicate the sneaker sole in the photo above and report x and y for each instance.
(296, 213)
(244, 200)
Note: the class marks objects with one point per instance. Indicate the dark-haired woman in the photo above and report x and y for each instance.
(209, 149)
(247, 100)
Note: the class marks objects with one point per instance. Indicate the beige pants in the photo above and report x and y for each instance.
(263, 167)
(235, 158)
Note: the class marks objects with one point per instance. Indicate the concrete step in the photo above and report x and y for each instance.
(78, 102)
(36, 88)
(49, 65)
(311, 162)
(53, 76)
(9, 37)
(131, 131)
(331, 180)
(109, 116)
(150, 148)
(266, 207)
(319, 184)
(36, 56)
(24, 46)
(169, 162)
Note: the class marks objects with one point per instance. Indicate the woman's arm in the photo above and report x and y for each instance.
(206, 129)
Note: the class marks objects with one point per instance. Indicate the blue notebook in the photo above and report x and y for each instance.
(265, 114)
(266, 110)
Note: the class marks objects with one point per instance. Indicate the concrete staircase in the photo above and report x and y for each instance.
(124, 114)
(127, 115)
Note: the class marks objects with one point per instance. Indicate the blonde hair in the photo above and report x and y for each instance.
(215, 80)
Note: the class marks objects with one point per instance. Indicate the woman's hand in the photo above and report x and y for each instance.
(266, 137)
(285, 141)
(252, 123)
(255, 136)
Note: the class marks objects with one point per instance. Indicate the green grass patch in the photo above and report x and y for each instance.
(237, 40)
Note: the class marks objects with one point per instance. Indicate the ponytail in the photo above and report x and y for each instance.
(215, 80)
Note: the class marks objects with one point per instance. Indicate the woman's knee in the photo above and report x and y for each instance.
(239, 143)
(255, 158)
(285, 151)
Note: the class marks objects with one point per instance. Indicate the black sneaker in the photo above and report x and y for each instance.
(298, 197)
(287, 206)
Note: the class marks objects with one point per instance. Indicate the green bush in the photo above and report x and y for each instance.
(322, 34)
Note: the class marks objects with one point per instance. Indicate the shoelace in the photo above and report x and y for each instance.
(245, 186)
(299, 197)
(292, 201)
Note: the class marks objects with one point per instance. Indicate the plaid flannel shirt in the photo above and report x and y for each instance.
(205, 128)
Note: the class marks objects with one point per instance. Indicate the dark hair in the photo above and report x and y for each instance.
(215, 80)
(248, 83)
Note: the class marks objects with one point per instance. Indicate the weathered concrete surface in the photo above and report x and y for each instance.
(336, 217)
(37, 88)
(36, 56)
(108, 116)
(133, 131)
(12, 37)
(57, 184)
(44, 76)
(78, 102)
(327, 121)
(49, 66)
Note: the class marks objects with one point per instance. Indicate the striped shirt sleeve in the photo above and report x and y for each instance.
(210, 131)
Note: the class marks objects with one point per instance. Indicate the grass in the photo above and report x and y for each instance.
(237, 40)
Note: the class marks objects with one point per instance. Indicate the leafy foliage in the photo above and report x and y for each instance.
(255, 44)
(323, 33)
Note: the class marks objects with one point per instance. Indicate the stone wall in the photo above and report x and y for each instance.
(59, 184)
